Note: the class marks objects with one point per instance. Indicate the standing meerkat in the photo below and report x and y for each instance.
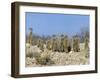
(86, 42)
(40, 44)
(65, 44)
(30, 37)
(76, 44)
(54, 45)
(49, 44)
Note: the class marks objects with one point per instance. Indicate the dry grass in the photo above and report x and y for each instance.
(49, 58)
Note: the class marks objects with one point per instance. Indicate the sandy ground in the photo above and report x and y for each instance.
(58, 58)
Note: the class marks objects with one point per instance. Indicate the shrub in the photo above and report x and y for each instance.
(33, 54)
(41, 58)
(44, 59)
(30, 55)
